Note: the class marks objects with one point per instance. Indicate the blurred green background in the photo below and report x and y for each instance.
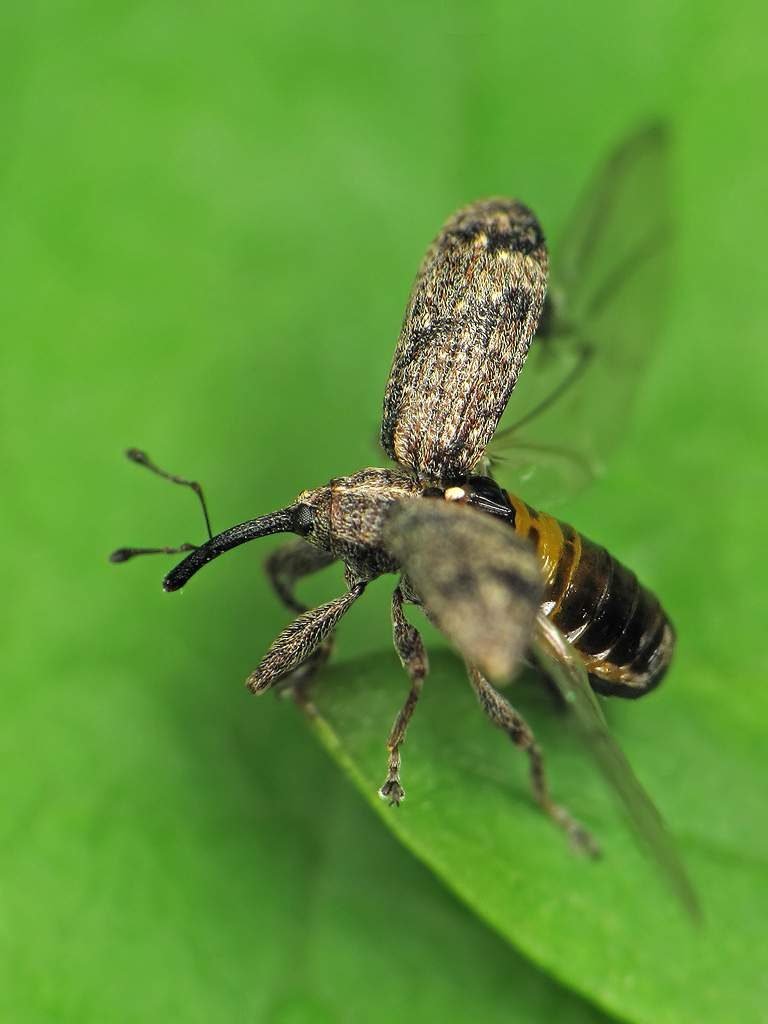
(210, 219)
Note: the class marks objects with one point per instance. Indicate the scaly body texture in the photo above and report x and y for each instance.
(468, 325)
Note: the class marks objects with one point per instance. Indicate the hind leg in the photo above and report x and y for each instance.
(505, 717)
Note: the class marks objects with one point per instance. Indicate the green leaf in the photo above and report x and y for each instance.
(608, 929)
(169, 853)
(209, 223)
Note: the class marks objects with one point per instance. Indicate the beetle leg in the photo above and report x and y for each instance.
(505, 717)
(413, 657)
(284, 567)
(289, 563)
(298, 642)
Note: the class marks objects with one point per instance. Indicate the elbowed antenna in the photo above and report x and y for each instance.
(294, 519)
(142, 459)
(124, 554)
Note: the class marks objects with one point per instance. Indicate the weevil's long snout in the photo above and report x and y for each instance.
(294, 519)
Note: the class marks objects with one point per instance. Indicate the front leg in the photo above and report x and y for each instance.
(284, 567)
(413, 657)
(296, 644)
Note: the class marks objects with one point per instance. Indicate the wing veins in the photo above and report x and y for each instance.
(563, 666)
(586, 352)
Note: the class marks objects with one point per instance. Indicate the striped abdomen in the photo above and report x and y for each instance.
(613, 621)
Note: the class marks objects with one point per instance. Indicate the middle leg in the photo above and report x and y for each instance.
(413, 657)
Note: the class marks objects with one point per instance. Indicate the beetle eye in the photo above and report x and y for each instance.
(432, 492)
(305, 519)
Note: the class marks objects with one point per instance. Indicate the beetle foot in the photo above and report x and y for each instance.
(580, 838)
(584, 842)
(392, 791)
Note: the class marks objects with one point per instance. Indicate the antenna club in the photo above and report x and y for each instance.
(137, 455)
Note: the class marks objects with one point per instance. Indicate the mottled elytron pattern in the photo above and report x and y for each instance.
(468, 326)
(615, 623)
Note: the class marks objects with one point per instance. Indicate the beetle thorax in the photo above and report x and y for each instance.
(350, 514)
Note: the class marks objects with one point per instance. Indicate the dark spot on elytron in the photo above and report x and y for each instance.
(529, 241)
(483, 317)
(417, 307)
(522, 586)
(466, 232)
(463, 582)
(524, 238)
(534, 536)
(454, 447)
(419, 339)
(519, 302)
(499, 238)
(433, 333)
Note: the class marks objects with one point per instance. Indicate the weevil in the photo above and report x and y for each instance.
(502, 581)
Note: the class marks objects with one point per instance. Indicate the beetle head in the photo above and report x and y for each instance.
(349, 514)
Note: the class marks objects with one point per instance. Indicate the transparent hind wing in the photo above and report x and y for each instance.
(564, 667)
(546, 474)
(605, 309)
(618, 220)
